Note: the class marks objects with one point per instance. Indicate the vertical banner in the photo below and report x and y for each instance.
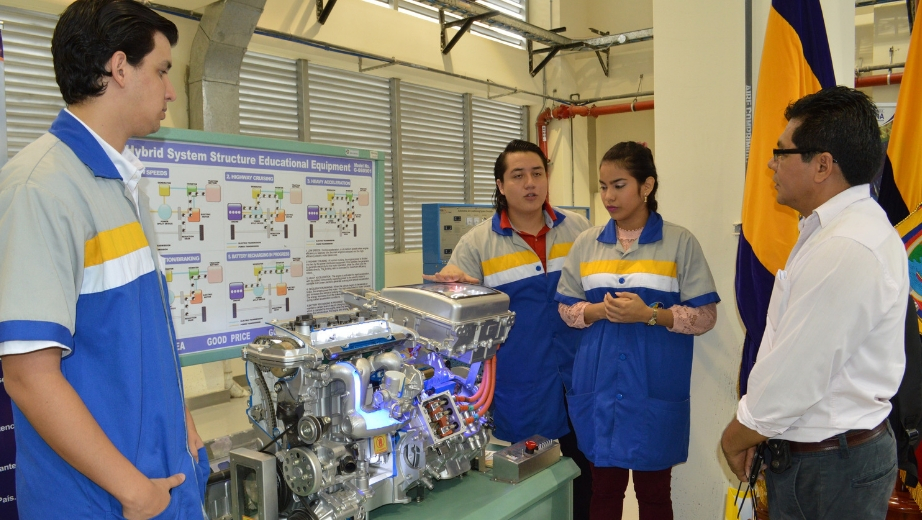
(7, 442)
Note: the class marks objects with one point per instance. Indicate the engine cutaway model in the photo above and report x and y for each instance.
(358, 409)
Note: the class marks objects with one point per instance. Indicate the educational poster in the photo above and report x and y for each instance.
(248, 236)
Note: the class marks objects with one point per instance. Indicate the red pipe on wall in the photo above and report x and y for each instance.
(568, 111)
(875, 81)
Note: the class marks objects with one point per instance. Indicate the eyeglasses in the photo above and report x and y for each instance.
(795, 151)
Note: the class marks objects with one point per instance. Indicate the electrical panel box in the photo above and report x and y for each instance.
(523, 459)
(445, 224)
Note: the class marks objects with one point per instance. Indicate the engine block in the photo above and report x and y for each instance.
(360, 408)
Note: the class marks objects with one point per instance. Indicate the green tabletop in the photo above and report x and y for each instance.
(547, 494)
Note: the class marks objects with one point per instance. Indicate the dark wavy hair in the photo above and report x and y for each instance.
(499, 167)
(637, 159)
(843, 122)
(89, 32)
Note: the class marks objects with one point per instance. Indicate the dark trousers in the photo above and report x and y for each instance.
(582, 485)
(850, 483)
(653, 490)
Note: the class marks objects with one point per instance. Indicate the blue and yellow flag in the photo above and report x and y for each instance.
(901, 182)
(795, 62)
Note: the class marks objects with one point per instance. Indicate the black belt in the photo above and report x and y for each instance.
(852, 438)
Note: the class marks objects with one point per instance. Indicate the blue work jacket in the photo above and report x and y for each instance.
(629, 401)
(533, 367)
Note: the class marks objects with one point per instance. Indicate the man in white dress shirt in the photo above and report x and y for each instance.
(832, 355)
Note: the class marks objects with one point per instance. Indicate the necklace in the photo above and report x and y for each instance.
(629, 230)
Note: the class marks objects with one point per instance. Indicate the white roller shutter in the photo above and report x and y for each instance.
(432, 145)
(354, 110)
(494, 125)
(33, 99)
(268, 96)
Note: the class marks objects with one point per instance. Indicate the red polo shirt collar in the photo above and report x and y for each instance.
(506, 224)
(538, 243)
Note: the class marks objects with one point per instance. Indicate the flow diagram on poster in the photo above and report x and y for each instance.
(248, 236)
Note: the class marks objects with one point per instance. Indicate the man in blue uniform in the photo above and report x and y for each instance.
(86, 336)
(520, 251)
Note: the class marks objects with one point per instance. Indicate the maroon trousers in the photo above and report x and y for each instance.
(653, 490)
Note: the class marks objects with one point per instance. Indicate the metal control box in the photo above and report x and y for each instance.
(445, 224)
(523, 459)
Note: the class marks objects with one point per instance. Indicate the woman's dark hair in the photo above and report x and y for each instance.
(89, 32)
(637, 159)
(499, 168)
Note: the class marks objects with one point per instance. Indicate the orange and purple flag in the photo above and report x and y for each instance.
(795, 62)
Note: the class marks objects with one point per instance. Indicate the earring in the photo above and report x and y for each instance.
(645, 199)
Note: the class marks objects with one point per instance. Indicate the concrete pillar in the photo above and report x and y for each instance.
(840, 31)
(698, 57)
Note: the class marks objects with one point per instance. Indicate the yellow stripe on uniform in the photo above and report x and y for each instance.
(114, 243)
(560, 250)
(657, 267)
(506, 262)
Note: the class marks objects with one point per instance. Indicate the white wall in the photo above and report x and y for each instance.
(627, 62)
(840, 31)
(878, 30)
(615, 128)
(699, 118)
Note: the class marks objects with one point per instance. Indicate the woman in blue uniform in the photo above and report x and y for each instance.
(520, 252)
(641, 288)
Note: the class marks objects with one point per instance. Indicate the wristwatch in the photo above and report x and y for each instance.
(652, 320)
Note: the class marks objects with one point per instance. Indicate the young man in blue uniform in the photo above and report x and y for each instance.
(520, 252)
(86, 337)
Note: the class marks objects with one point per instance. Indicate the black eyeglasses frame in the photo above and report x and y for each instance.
(797, 151)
